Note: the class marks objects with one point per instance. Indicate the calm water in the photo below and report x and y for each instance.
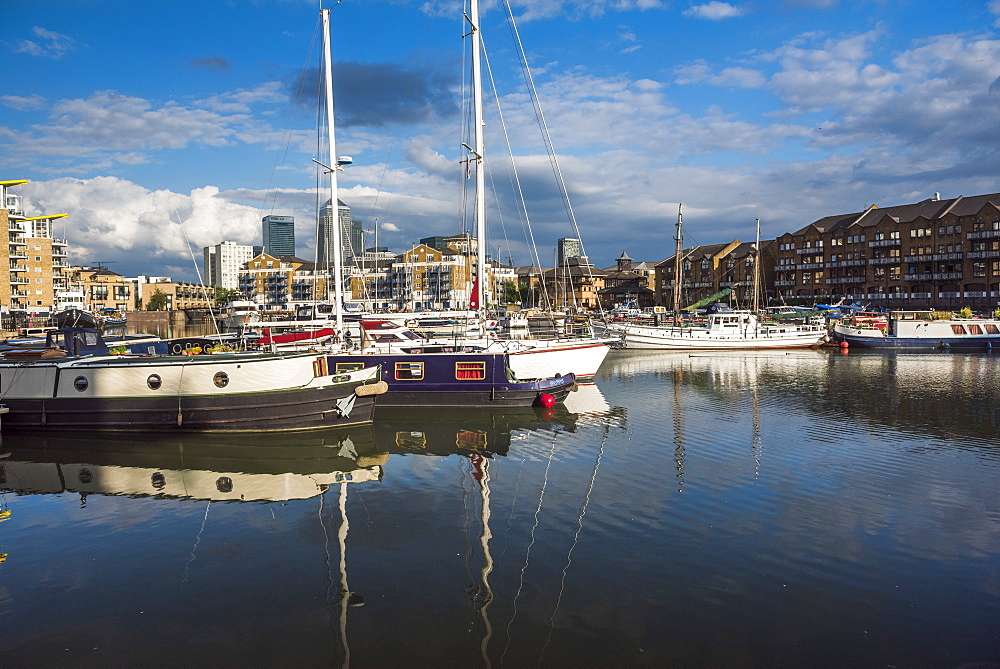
(761, 509)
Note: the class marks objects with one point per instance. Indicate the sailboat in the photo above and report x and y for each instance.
(530, 358)
(419, 375)
(724, 328)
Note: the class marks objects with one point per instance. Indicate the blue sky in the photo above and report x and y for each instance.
(164, 127)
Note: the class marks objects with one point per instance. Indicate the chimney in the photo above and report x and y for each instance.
(937, 196)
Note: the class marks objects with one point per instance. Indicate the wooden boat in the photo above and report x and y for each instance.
(75, 383)
(917, 330)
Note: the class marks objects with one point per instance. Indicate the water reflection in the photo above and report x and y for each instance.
(952, 397)
(218, 468)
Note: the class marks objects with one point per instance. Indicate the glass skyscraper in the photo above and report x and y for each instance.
(279, 235)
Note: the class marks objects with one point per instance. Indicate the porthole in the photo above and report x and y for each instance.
(158, 480)
(81, 383)
(85, 476)
(224, 484)
(154, 382)
(221, 379)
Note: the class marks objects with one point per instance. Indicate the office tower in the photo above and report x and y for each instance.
(222, 263)
(279, 235)
(567, 248)
(351, 235)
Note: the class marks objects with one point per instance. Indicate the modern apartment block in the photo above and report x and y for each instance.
(708, 269)
(278, 235)
(36, 259)
(223, 262)
(933, 253)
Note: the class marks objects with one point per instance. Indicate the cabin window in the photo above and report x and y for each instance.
(975, 329)
(409, 371)
(345, 367)
(957, 329)
(221, 379)
(81, 383)
(384, 338)
(991, 329)
(154, 382)
(470, 371)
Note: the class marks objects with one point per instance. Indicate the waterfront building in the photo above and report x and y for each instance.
(222, 263)
(279, 284)
(102, 288)
(279, 235)
(179, 295)
(930, 254)
(35, 258)
(626, 284)
(709, 269)
(573, 284)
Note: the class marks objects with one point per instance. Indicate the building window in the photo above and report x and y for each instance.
(978, 269)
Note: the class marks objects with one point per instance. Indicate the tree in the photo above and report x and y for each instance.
(511, 295)
(224, 296)
(157, 301)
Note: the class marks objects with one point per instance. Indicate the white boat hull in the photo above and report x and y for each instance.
(681, 338)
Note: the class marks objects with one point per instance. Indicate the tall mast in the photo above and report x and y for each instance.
(756, 270)
(679, 240)
(478, 151)
(334, 202)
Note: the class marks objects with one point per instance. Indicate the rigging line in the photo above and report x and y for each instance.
(201, 281)
(395, 132)
(282, 157)
(527, 554)
(525, 218)
(194, 548)
(569, 555)
(546, 136)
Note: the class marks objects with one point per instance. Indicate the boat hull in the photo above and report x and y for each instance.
(873, 338)
(434, 380)
(671, 338)
(545, 359)
(209, 393)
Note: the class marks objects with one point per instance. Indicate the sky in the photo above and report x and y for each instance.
(161, 128)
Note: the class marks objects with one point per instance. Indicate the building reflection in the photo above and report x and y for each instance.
(945, 395)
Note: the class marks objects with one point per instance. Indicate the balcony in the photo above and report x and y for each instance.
(946, 276)
(885, 261)
(984, 234)
(14, 267)
(17, 281)
(785, 283)
(848, 279)
(812, 250)
(947, 256)
(924, 258)
(883, 243)
(847, 263)
(979, 255)
(811, 265)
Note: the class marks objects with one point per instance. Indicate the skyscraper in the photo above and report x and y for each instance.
(351, 235)
(279, 235)
(566, 248)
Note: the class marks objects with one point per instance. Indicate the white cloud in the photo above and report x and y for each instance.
(993, 6)
(714, 11)
(49, 44)
(23, 102)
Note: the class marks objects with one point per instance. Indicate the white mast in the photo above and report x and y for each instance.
(678, 247)
(478, 152)
(756, 270)
(332, 167)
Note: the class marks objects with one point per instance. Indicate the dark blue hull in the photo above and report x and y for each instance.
(922, 343)
(453, 380)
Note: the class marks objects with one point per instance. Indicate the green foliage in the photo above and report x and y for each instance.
(965, 312)
(511, 295)
(224, 296)
(941, 315)
(157, 301)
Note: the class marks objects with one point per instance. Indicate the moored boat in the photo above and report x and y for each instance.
(76, 383)
(918, 330)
